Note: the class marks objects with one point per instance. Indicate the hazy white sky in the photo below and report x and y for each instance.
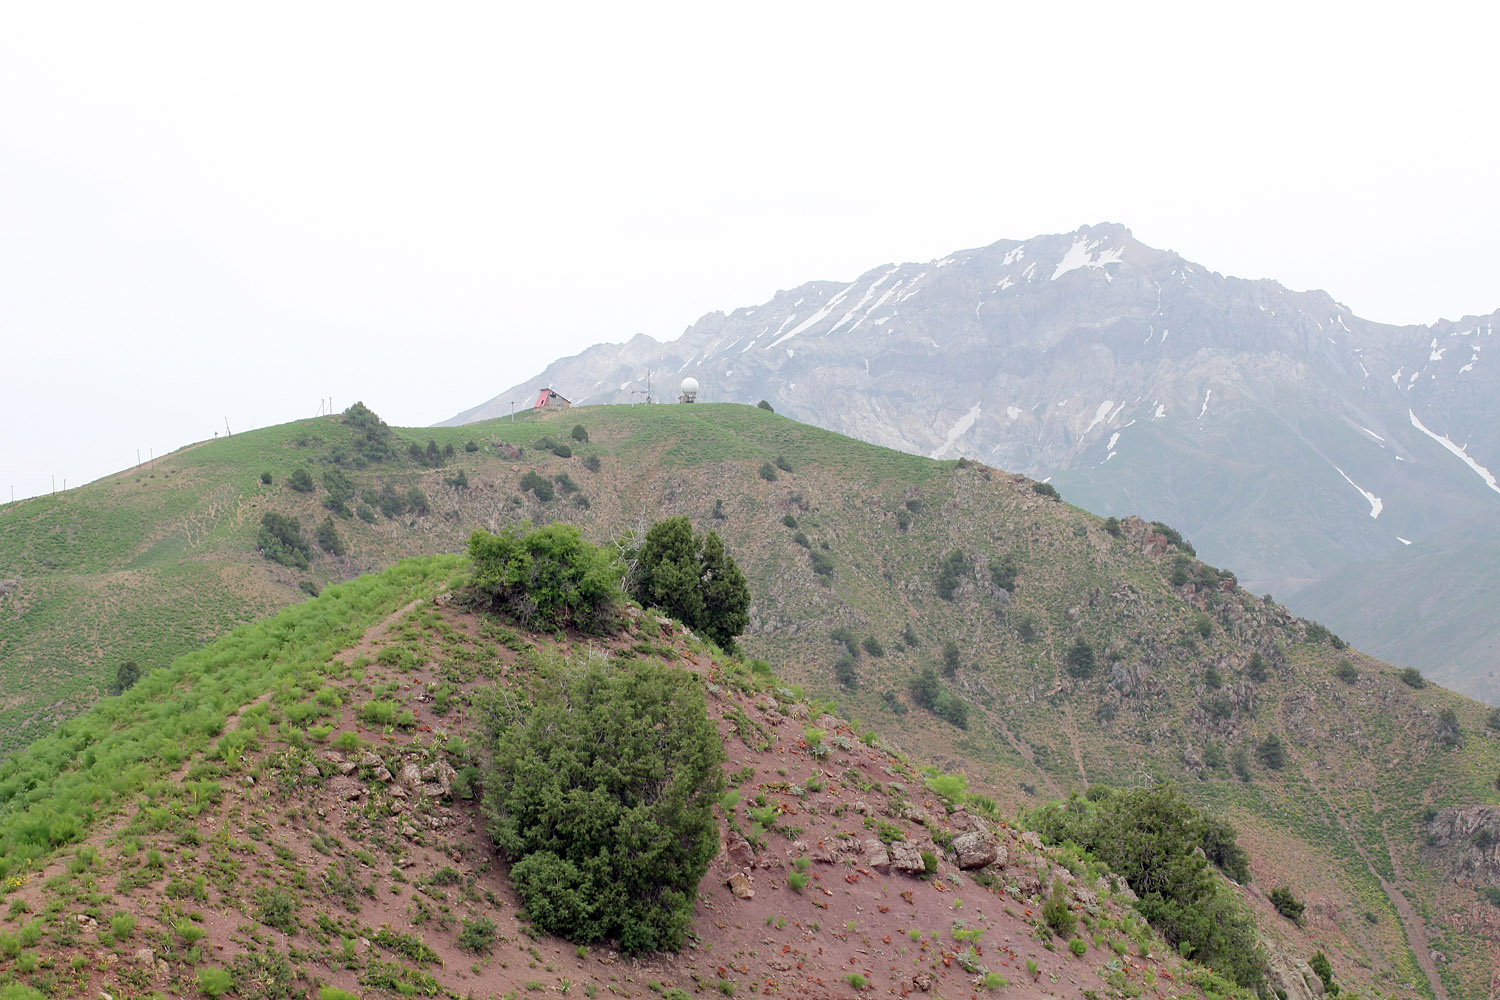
(213, 210)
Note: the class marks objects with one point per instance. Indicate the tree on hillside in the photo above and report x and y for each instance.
(550, 576)
(693, 578)
(602, 793)
(328, 538)
(373, 441)
(280, 540)
(125, 677)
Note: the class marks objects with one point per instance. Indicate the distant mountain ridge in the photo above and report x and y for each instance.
(1318, 454)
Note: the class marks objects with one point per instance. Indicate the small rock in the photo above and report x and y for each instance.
(738, 849)
(445, 775)
(921, 981)
(369, 759)
(346, 767)
(429, 773)
(799, 712)
(381, 774)
(310, 771)
(145, 956)
(432, 791)
(410, 775)
(877, 856)
(739, 884)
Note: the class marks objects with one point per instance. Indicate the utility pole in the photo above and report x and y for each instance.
(512, 411)
(54, 482)
(227, 431)
(138, 458)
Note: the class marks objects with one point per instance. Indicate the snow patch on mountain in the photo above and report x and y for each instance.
(1462, 453)
(1099, 415)
(815, 318)
(958, 430)
(1081, 254)
(1376, 504)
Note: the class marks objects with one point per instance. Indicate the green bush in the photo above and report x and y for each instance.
(591, 462)
(872, 646)
(1046, 490)
(845, 671)
(783, 464)
(538, 485)
(1080, 660)
(471, 445)
(1324, 970)
(1056, 912)
(1256, 670)
(1287, 904)
(1412, 677)
(126, 674)
(1078, 947)
(265, 478)
(1346, 672)
(765, 406)
(301, 480)
(1173, 536)
(951, 572)
(215, 981)
(1271, 752)
(478, 935)
(1003, 572)
(602, 791)
(328, 538)
(692, 578)
(280, 540)
(122, 925)
(1112, 525)
(768, 472)
(373, 440)
(579, 433)
(416, 500)
(549, 575)
(1154, 839)
(277, 908)
(562, 451)
(950, 658)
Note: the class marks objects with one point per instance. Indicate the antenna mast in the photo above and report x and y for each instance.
(647, 391)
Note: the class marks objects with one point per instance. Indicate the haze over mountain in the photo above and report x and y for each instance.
(1347, 466)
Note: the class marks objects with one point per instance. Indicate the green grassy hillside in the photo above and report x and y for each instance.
(1078, 654)
(292, 811)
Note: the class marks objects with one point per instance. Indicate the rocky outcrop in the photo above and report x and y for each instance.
(1293, 978)
(1466, 841)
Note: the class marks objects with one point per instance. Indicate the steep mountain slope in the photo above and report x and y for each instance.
(1287, 437)
(262, 856)
(1081, 650)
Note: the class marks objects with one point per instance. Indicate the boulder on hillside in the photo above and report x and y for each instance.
(906, 859)
(974, 850)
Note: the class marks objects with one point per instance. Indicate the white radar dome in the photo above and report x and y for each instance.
(690, 386)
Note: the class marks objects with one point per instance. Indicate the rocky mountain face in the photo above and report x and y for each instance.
(1347, 466)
